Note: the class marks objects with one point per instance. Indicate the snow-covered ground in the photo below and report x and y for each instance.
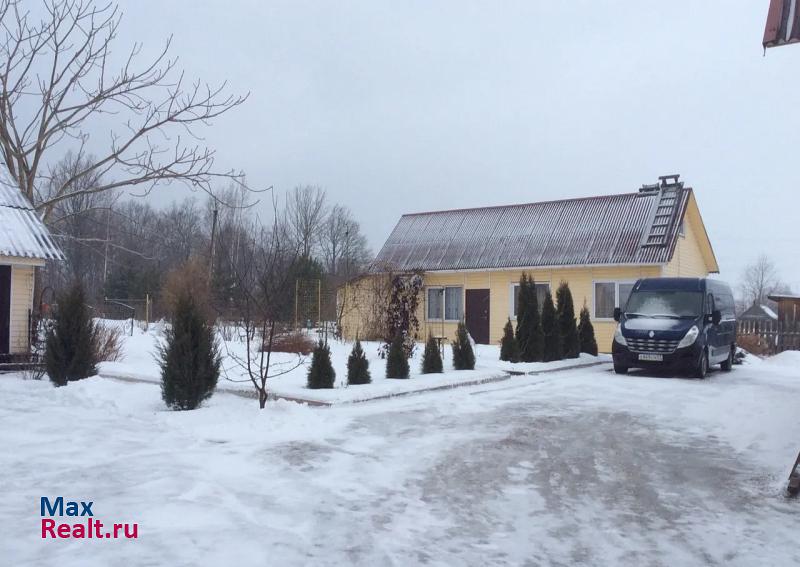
(139, 361)
(580, 467)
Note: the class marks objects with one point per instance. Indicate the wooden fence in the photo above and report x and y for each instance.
(775, 335)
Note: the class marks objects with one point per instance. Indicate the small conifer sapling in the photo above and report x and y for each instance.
(509, 350)
(463, 355)
(321, 374)
(358, 366)
(396, 361)
(431, 357)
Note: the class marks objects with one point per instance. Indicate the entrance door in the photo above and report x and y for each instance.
(5, 309)
(477, 314)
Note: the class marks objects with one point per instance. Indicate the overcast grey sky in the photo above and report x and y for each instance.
(398, 107)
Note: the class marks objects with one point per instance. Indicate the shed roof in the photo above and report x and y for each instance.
(759, 312)
(22, 232)
(629, 228)
(783, 296)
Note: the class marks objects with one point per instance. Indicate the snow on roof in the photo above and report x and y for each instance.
(22, 232)
(758, 312)
(629, 228)
(769, 312)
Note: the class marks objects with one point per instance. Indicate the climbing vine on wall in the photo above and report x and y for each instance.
(401, 313)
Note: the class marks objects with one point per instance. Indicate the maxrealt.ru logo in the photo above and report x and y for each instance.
(88, 527)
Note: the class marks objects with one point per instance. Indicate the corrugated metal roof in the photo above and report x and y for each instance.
(783, 23)
(613, 229)
(22, 232)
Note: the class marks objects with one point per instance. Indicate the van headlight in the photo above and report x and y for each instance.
(690, 337)
(618, 338)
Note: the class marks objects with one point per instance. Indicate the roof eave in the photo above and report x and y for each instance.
(533, 268)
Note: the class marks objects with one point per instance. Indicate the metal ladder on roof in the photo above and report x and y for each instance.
(664, 217)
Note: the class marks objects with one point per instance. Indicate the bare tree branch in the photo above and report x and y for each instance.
(56, 80)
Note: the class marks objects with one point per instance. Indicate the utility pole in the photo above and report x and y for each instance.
(105, 254)
(213, 240)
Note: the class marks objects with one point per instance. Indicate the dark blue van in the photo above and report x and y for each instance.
(684, 324)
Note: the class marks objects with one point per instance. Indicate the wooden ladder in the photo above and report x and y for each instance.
(664, 216)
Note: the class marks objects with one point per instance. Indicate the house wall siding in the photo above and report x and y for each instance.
(581, 283)
(359, 314)
(688, 260)
(22, 278)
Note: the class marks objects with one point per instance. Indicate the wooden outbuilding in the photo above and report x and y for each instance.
(25, 245)
(788, 308)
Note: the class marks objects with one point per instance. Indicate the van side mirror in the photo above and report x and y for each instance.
(716, 316)
(617, 314)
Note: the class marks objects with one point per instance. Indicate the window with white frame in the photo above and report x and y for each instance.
(541, 291)
(444, 303)
(609, 295)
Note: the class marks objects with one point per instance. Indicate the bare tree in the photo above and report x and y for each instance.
(759, 280)
(179, 231)
(344, 248)
(305, 213)
(80, 226)
(263, 280)
(57, 83)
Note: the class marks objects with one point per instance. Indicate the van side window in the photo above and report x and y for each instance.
(724, 302)
(730, 309)
(709, 304)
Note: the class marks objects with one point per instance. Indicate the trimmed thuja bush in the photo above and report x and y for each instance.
(431, 358)
(463, 356)
(321, 374)
(71, 346)
(358, 366)
(190, 358)
(567, 327)
(552, 339)
(396, 361)
(530, 339)
(588, 343)
(509, 350)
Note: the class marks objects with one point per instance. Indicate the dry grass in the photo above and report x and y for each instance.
(191, 278)
(754, 344)
(293, 343)
(109, 344)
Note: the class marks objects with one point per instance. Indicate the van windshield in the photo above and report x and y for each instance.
(672, 304)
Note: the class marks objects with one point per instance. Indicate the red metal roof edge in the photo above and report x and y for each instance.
(773, 24)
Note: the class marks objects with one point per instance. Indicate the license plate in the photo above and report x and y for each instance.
(651, 357)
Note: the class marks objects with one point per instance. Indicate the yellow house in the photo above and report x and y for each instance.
(471, 260)
(25, 244)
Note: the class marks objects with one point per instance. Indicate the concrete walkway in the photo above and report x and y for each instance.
(251, 394)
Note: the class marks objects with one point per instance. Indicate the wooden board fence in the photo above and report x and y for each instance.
(777, 335)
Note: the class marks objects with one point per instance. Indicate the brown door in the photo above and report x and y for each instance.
(477, 314)
(5, 309)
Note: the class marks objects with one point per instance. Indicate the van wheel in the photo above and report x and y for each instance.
(727, 364)
(620, 369)
(702, 367)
